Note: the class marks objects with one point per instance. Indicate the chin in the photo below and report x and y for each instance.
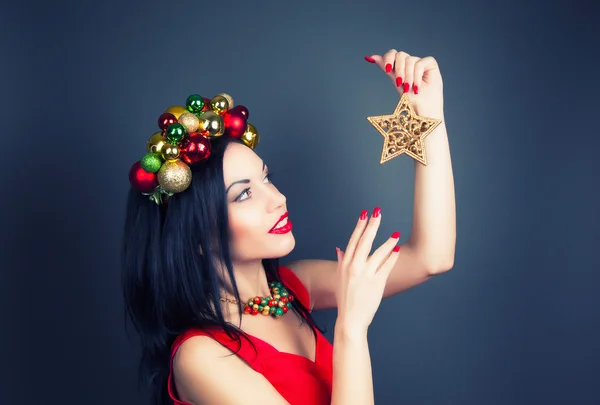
(283, 247)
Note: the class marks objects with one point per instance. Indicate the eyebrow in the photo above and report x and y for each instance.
(246, 181)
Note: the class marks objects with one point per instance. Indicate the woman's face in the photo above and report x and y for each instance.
(255, 208)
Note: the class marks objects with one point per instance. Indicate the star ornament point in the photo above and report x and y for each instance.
(404, 131)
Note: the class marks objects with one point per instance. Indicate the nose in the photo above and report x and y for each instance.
(277, 199)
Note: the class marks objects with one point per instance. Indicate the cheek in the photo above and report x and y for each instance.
(244, 225)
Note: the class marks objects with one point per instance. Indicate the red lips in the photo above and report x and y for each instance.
(284, 229)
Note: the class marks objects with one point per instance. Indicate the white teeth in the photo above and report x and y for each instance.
(282, 223)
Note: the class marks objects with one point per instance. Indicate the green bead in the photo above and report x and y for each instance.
(284, 293)
(272, 310)
(289, 305)
(151, 163)
(264, 302)
(194, 103)
(279, 312)
(175, 132)
(260, 308)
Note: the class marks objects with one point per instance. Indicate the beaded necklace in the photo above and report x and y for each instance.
(276, 304)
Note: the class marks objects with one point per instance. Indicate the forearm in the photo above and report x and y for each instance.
(434, 223)
(352, 374)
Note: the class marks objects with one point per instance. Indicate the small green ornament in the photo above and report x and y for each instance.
(278, 312)
(175, 132)
(272, 310)
(195, 103)
(151, 163)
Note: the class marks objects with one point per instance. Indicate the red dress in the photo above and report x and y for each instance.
(303, 382)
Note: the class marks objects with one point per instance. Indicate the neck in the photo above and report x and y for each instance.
(251, 280)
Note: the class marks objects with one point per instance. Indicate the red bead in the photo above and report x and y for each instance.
(284, 309)
(290, 298)
(272, 303)
(141, 179)
(247, 309)
(235, 123)
(165, 120)
(193, 152)
(257, 300)
(255, 312)
(284, 299)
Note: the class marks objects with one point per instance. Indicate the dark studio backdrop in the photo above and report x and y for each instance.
(516, 321)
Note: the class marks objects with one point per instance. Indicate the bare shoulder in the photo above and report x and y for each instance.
(319, 278)
(204, 372)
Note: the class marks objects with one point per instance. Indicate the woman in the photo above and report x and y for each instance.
(220, 321)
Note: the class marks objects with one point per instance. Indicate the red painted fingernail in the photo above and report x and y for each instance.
(388, 68)
(406, 87)
(376, 212)
(397, 248)
(369, 59)
(398, 81)
(416, 89)
(396, 235)
(363, 214)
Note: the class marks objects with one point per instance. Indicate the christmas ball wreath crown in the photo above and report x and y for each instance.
(184, 140)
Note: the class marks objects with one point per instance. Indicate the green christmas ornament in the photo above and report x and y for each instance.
(195, 103)
(175, 132)
(151, 163)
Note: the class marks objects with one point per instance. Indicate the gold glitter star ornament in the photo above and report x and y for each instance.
(404, 132)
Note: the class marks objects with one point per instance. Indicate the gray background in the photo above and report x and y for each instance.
(516, 321)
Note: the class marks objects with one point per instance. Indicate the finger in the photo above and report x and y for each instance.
(399, 67)
(366, 241)
(340, 254)
(355, 237)
(388, 61)
(387, 267)
(379, 257)
(409, 68)
(421, 66)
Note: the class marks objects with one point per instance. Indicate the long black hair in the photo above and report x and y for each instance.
(169, 286)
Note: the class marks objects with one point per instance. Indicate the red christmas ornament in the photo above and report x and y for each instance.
(192, 152)
(235, 123)
(243, 110)
(165, 120)
(206, 104)
(197, 136)
(141, 179)
(284, 309)
(247, 309)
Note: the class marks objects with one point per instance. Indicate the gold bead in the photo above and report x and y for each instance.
(255, 306)
(277, 296)
(250, 137)
(177, 110)
(219, 104)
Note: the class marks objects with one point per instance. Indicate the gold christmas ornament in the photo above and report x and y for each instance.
(177, 110)
(219, 104)
(156, 143)
(250, 137)
(228, 98)
(189, 121)
(174, 176)
(404, 132)
(170, 151)
(211, 123)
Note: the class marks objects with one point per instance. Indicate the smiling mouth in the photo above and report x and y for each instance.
(284, 225)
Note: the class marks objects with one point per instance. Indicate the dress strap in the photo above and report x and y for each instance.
(291, 280)
(242, 349)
